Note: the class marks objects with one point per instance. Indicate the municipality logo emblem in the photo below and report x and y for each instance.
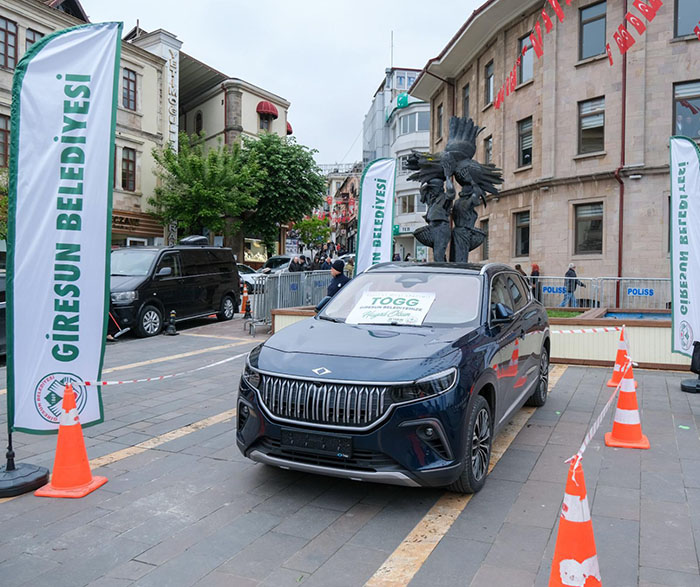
(48, 395)
(686, 334)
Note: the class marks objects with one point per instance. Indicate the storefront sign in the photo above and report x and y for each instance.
(391, 307)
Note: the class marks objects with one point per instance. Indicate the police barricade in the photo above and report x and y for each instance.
(316, 285)
(552, 291)
(638, 293)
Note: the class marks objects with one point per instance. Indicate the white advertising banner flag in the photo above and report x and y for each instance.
(376, 214)
(685, 243)
(61, 175)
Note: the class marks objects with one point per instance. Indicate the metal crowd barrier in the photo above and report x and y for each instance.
(638, 293)
(285, 290)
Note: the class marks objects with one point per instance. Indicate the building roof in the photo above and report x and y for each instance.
(71, 7)
(468, 42)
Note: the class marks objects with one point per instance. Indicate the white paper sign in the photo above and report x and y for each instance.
(391, 307)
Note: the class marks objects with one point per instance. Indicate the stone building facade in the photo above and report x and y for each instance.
(583, 144)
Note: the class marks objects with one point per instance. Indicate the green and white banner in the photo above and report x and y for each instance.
(375, 214)
(685, 243)
(64, 100)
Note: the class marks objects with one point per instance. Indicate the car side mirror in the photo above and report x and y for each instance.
(502, 313)
(164, 272)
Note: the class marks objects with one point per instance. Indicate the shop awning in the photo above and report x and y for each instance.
(289, 129)
(265, 107)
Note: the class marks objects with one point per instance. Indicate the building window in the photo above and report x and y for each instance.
(525, 142)
(8, 43)
(4, 140)
(488, 83)
(129, 89)
(411, 79)
(400, 81)
(485, 245)
(592, 31)
(687, 17)
(438, 122)
(424, 121)
(591, 126)
(128, 169)
(488, 150)
(408, 123)
(522, 234)
(403, 162)
(465, 101)
(589, 228)
(265, 122)
(686, 109)
(525, 69)
(31, 38)
(407, 204)
(198, 122)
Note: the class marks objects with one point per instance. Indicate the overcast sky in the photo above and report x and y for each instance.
(326, 58)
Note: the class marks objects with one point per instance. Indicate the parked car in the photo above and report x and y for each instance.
(250, 277)
(276, 264)
(194, 280)
(404, 377)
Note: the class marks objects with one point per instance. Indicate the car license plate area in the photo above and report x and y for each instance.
(334, 445)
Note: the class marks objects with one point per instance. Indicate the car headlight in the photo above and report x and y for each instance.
(425, 387)
(252, 377)
(123, 297)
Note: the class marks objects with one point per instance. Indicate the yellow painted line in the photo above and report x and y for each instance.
(168, 358)
(154, 442)
(409, 556)
(215, 336)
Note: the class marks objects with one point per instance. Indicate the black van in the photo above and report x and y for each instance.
(148, 282)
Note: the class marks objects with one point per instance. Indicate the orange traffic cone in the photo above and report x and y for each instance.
(244, 299)
(575, 559)
(71, 475)
(627, 427)
(620, 360)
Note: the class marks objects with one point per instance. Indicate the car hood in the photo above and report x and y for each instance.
(322, 337)
(125, 282)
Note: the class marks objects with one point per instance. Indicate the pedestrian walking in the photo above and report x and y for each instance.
(571, 283)
(535, 283)
(396, 257)
(519, 269)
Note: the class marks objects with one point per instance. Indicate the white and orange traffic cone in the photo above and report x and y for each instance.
(627, 427)
(620, 360)
(575, 561)
(244, 299)
(71, 476)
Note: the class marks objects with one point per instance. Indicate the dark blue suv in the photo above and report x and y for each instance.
(404, 377)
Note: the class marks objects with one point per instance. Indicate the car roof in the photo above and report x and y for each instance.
(172, 248)
(468, 268)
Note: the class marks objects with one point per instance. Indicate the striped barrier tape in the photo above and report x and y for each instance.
(163, 377)
(594, 428)
(589, 330)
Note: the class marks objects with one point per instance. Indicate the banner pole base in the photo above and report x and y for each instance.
(21, 478)
(691, 385)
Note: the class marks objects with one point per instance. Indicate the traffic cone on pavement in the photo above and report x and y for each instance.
(244, 299)
(627, 427)
(575, 559)
(71, 475)
(620, 360)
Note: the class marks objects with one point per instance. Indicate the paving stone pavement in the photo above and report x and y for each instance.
(193, 511)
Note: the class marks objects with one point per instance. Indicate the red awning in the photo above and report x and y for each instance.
(289, 129)
(266, 107)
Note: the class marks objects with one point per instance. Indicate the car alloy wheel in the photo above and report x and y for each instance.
(151, 321)
(539, 396)
(481, 444)
(228, 308)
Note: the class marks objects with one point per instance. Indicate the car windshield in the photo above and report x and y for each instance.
(276, 262)
(134, 261)
(245, 269)
(412, 298)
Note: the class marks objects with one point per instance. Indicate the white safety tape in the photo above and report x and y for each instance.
(589, 330)
(594, 428)
(162, 377)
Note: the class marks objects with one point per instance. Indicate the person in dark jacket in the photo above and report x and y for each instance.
(326, 265)
(571, 283)
(535, 282)
(294, 265)
(339, 278)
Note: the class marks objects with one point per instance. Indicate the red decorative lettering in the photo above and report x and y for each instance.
(696, 30)
(547, 22)
(623, 39)
(536, 40)
(609, 52)
(557, 9)
(648, 10)
(635, 22)
(514, 80)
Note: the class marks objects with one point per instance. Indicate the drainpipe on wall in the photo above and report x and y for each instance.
(621, 203)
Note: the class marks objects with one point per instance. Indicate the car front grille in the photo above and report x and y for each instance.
(342, 404)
